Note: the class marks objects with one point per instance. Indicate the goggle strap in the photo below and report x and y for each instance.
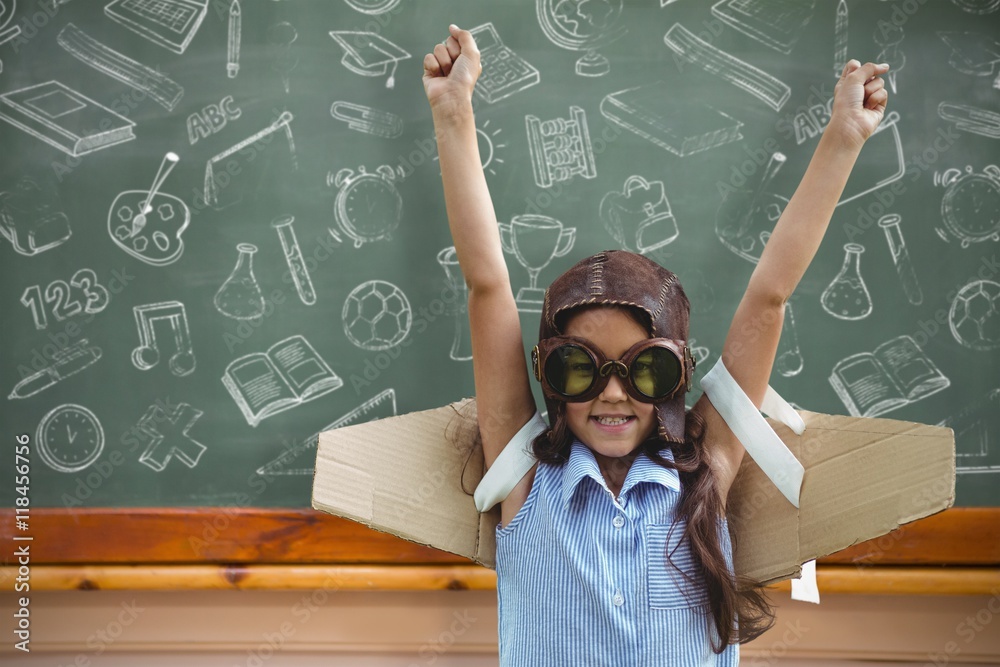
(689, 371)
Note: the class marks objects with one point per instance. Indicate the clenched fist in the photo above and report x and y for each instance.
(450, 73)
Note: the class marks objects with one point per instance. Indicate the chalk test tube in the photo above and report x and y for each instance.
(901, 258)
(293, 255)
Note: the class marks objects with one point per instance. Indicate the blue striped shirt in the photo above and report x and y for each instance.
(582, 577)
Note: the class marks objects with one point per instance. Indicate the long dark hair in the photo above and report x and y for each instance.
(731, 597)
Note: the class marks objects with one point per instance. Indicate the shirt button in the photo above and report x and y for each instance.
(618, 522)
(618, 599)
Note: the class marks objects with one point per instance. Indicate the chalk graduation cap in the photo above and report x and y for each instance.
(973, 53)
(369, 54)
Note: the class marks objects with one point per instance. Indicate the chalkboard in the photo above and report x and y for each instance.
(226, 231)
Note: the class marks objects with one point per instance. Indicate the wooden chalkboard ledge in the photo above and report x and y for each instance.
(832, 579)
(963, 536)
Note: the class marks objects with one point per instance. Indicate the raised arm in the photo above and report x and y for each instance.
(752, 342)
(503, 392)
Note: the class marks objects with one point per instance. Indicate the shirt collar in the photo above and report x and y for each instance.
(582, 463)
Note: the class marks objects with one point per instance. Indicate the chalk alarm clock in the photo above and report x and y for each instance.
(368, 205)
(970, 207)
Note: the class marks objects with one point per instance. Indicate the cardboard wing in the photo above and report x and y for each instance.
(864, 477)
(414, 475)
(405, 475)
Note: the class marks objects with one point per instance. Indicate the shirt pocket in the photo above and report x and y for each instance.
(677, 583)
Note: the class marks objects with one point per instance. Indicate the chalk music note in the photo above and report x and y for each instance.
(147, 355)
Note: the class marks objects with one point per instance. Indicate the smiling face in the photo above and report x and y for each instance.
(614, 424)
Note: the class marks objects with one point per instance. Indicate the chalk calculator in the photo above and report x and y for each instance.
(504, 72)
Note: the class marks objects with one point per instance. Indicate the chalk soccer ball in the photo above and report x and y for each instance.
(377, 315)
(974, 317)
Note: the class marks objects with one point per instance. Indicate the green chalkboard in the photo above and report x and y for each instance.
(292, 272)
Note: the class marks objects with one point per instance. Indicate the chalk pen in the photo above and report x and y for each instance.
(235, 20)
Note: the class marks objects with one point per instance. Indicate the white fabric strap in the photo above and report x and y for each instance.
(756, 435)
(511, 466)
(775, 407)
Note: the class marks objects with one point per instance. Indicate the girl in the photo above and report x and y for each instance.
(613, 549)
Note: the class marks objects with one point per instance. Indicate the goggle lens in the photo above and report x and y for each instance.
(655, 372)
(570, 370)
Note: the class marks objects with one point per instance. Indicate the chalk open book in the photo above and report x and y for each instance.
(895, 374)
(290, 373)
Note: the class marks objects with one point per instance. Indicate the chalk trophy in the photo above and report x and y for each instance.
(535, 240)
(461, 344)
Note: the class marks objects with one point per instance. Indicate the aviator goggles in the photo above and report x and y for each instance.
(572, 369)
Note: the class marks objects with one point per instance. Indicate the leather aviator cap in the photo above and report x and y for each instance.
(619, 277)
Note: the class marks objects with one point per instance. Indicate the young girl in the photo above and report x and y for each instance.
(613, 549)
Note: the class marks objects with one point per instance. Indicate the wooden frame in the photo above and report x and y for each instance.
(834, 579)
(117, 545)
